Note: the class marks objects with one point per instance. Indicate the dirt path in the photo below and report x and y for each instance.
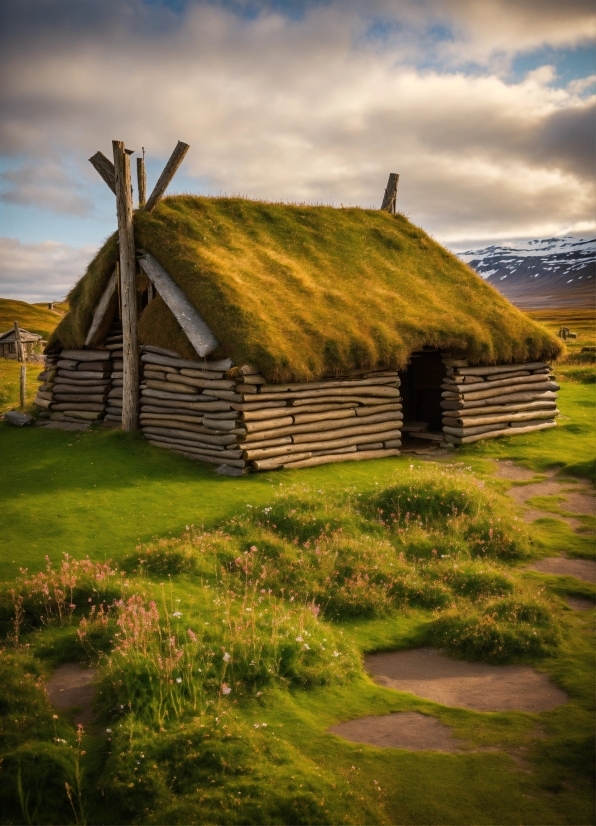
(71, 686)
(578, 497)
(405, 730)
(478, 686)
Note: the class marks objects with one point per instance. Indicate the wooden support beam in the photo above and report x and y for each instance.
(18, 343)
(105, 167)
(166, 176)
(101, 311)
(141, 181)
(196, 329)
(390, 197)
(23, 386)
(130, 392)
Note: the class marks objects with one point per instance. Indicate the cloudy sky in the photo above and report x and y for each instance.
(484, 107)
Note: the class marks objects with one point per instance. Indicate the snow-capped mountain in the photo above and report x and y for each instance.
(554, 272)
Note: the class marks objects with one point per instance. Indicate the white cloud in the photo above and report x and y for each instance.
(311, 109)
(40, 272)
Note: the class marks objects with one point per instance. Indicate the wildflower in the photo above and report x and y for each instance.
(306, 646)
(178, 679)
(192, 635)
(299, 639)
(336, 654)
(226, 657)
(109, 730)
(225, 689)
(177, 614)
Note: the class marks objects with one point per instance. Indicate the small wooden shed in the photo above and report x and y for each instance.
(32, 343)
(276, 335)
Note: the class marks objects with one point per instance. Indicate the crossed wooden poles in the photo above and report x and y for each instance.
(117, 177)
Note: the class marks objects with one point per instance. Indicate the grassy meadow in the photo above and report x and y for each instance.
(227, 619)
(33, 317)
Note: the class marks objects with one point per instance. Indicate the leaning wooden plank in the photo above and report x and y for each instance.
(101, 314)
(105, 168)
(509, 431)
(197, 331)
(348, 457)
(166, 176)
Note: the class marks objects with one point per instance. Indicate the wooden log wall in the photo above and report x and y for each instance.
(223, 416)
(75, 385)
(84, 384)
(500, 400)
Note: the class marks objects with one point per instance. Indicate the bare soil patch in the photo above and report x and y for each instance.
(578, 497)
(427, 673)
(579, 603)
(584, 569)
(404, 730)
(71, 686)
(515, 473)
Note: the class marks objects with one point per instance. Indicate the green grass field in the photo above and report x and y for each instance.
(33, 317)
(153, 757)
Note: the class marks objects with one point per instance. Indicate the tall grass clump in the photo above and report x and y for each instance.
(167, 667)
(435, 539)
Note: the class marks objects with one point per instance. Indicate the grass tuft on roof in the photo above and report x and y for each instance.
(304, 291)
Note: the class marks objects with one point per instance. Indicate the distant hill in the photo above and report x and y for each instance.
(555, 272)
(33, 317)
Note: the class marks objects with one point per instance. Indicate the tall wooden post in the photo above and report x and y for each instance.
(23, 386)
(142, 180)
(390, 197)
(128, 292)
(18, 343)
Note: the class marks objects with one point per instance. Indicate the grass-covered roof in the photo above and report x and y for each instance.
(303, 291)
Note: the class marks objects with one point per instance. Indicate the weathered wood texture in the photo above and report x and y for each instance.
(166, 176)
(390, 197)
(105, 167)
(104, 311)
(497, 400)
(197, 331)
(18, 342)
(141, 182)
(130, 399)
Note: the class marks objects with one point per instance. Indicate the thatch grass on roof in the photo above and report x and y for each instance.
(303, 291)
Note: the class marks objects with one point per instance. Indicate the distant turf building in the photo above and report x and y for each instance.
(31, 342)
(286, 336)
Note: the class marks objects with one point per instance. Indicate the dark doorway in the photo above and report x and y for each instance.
(421, 390)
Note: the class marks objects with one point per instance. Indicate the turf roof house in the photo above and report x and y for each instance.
(278, 336)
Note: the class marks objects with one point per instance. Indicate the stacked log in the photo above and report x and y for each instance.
(113, 344)
(500, 400)
(181, 405)
(339, 419)
(75, 385)
(47, 379)
(227, 417)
